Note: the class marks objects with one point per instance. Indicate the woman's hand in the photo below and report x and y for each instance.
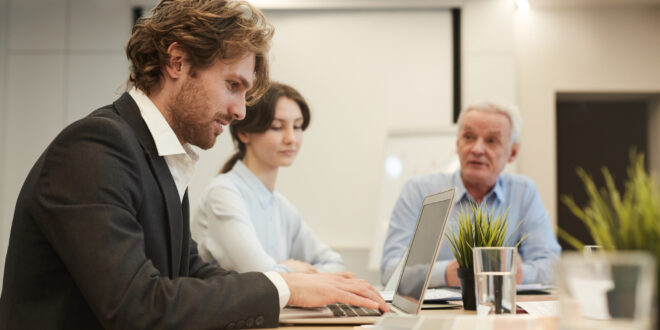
(300, 266)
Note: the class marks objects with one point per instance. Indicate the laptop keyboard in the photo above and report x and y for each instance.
(348, 310)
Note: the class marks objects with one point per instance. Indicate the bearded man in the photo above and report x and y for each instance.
(101, 234)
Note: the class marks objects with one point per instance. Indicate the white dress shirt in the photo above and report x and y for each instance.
(181, 160)
(246, 227)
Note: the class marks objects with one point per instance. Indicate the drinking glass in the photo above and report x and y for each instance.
(591, 249)
(606, 290)
(495, 280)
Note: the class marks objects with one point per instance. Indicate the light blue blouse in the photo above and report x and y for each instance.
(539, 251)
(244, 227)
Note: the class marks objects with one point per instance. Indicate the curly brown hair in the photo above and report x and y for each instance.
(206, 30)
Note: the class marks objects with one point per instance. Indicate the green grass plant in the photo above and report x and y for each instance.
(478, 226)
(628, 221)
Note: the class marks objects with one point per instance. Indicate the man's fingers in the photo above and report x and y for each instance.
(351, 298)
(324, 288)
(363, 289)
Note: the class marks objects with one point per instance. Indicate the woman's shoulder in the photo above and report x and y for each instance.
(222, 184)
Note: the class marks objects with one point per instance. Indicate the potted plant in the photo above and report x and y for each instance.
(476, 226)
(628, 221)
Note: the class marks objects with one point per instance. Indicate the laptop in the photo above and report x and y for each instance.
(412, 281)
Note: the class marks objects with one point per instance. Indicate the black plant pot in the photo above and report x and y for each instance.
(466, 275)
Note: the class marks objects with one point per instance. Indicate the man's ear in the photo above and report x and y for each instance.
(244, 137)
(176, 64)
(514, 152)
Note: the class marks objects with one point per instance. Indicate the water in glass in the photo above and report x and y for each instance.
(496, 293)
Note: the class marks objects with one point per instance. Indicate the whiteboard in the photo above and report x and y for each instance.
(407, 154)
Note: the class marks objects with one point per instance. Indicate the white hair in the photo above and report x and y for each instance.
(510, 111)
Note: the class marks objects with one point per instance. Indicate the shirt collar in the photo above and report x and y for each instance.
(462, 194)
(253, 182)
(164, 137)
(498, 190)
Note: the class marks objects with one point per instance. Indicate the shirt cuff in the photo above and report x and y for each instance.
(281, 286)
(438, 275)
(528, 274)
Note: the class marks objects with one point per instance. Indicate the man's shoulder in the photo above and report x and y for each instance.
(103, 122)
(517, 179)
(432, 178)
(518, 184)
(110, 119)
(103, 134)
(426, 184)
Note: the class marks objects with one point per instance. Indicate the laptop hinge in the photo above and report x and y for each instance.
(397, 310)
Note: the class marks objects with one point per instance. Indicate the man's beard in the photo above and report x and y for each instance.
(189, 108)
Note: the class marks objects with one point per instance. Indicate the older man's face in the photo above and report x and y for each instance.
(483, 146)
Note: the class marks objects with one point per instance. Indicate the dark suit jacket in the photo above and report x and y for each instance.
(100, 239)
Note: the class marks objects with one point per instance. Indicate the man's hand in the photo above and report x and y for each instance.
(451, 274)
(313, 290)
(300, 266)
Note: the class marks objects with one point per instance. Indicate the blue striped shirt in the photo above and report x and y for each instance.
(539, 251)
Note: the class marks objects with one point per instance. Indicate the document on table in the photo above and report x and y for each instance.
(540, 308)
(430, 295)
(533, 288)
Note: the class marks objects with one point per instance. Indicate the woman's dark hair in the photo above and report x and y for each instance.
(259, 117)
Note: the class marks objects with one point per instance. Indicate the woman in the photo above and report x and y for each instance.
(242, 222)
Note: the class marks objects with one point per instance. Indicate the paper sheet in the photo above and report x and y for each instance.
(540, 308)
(430, 295)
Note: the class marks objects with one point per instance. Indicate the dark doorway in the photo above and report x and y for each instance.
(593, 134)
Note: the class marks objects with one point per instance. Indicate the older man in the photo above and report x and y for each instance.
(487, 140)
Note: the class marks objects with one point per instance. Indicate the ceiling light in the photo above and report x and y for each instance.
(523, 5)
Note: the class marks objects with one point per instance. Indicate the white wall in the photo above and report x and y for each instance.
(614, 49)
(489, 66)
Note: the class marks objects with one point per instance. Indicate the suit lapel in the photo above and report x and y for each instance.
(184, 271)
(131, 113)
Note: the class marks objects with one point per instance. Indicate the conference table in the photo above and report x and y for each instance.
(521, 320)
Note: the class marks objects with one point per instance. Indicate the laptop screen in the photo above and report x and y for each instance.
(422, 252)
